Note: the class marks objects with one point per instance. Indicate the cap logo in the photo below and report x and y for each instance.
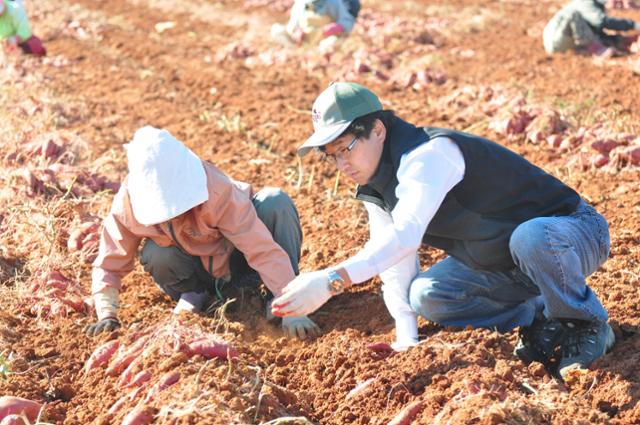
(315, 116)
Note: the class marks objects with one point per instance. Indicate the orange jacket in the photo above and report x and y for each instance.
(211, 231)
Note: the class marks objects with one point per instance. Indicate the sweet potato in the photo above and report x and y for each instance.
(634, 155)
(382, 350)
(56, 279)
(140, 415)
(10, 405)
(210, 347)
(359, 388)
(604, 146)
(600, 160)
(124, 358)
(102, 354)
(75, 303)
(120, 364)
(165, 382)
(14, 420)
(115, 408)
(379, 346)
(140, 378)
(127, 374)
(406, 415)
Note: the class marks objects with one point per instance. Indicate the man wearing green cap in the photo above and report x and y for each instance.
(520, 242)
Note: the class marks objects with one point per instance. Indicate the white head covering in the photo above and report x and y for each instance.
(166, 179)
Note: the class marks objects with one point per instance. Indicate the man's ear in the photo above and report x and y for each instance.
(379, 130)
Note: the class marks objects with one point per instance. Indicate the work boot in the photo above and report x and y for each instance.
(537, 342)
(600, 50)
(584, 342)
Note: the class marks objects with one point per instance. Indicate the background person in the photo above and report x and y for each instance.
(15, 29)
(520, 242)
(581, 25)
(192, 218)
(317, 22)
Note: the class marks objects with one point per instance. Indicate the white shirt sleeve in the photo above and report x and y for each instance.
(397, 280)
(425, 176)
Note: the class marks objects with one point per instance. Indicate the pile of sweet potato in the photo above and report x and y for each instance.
(127, 359)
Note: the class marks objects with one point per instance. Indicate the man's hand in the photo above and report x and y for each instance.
(109, 324)
(300, 327)
(303, 295)
(332, 29)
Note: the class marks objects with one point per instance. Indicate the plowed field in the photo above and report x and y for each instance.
(207, 71)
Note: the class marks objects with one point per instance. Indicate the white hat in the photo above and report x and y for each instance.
(166, 179)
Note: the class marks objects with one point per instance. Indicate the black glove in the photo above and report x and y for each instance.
(105, 325)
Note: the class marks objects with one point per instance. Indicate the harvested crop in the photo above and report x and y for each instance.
(381, 350)
(117, 406)
(210, 347)
(165, 382)
(127, 375)
(10, 405)
(140, 378)
(140, 415)
(102, 355)
(53, 294)
(406, 415)
(359, 388)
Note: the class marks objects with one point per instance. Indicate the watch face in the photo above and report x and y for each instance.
(336, 286)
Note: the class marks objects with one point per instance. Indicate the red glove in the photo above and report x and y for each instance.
(332, 29)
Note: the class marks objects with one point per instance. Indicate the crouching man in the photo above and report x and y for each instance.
(581, 25)
(520, 242)
(193, 220)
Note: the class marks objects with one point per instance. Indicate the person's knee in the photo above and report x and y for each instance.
(528, 239)
(271, 202)
(428, 302)
(271, 196)
(158, 260)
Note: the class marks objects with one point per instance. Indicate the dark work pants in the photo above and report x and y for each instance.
(176, 271)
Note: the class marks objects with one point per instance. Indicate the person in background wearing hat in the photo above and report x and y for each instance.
(581, 25)
(194, 221)
(15, 29)
(317, 22)
(520, 243)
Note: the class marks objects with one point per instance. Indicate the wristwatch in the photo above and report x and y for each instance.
(336, 283)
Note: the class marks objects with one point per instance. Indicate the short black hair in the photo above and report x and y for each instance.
(362, 126)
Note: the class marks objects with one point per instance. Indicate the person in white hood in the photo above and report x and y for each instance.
(200, 229)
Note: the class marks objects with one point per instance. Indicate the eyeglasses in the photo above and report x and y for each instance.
(340, 154)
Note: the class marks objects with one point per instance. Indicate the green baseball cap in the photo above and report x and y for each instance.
(335, 109)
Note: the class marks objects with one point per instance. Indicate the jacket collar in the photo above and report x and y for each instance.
(399, 135)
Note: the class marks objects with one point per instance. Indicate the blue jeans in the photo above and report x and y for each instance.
(553, 256)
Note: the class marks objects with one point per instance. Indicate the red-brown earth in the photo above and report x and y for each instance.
(214, 80)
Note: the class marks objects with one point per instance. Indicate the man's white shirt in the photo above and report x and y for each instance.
(425, 175)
